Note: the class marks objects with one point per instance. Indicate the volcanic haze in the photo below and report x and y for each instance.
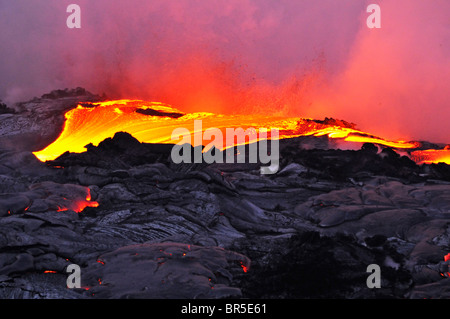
(296, 58)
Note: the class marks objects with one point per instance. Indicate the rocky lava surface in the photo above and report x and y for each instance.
(165, 230)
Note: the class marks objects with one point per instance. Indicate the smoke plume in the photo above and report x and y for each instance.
(298, 58)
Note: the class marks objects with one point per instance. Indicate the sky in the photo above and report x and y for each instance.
(301, 58)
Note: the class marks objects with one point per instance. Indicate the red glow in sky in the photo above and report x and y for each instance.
(294, 58)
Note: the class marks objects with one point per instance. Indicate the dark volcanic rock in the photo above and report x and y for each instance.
(121, 151)
(335, 122)
(308, 231)
(58, 94)
(4, 109)
(166, 270)
(309, 265)
(341, 165)
(152, 112)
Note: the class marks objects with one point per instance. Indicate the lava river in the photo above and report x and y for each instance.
(154, 122)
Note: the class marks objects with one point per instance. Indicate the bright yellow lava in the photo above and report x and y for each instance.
(94, 122)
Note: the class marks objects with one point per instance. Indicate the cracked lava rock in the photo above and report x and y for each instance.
(149, 228)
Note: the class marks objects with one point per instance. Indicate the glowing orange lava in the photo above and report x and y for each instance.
(244, 268)
(154, 122)
(446, 274)
(93, 123)
(79, 205)
(447, 257)
(431, 156)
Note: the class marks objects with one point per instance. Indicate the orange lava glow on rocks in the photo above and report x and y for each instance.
(79, 205)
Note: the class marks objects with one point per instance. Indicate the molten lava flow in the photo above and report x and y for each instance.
(431, 156)
(93, 123)
(154, 122)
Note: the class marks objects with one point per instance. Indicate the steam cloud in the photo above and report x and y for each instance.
(290, 57)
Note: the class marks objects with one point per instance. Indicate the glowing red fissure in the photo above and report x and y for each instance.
(446, 274)
(79, 205)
